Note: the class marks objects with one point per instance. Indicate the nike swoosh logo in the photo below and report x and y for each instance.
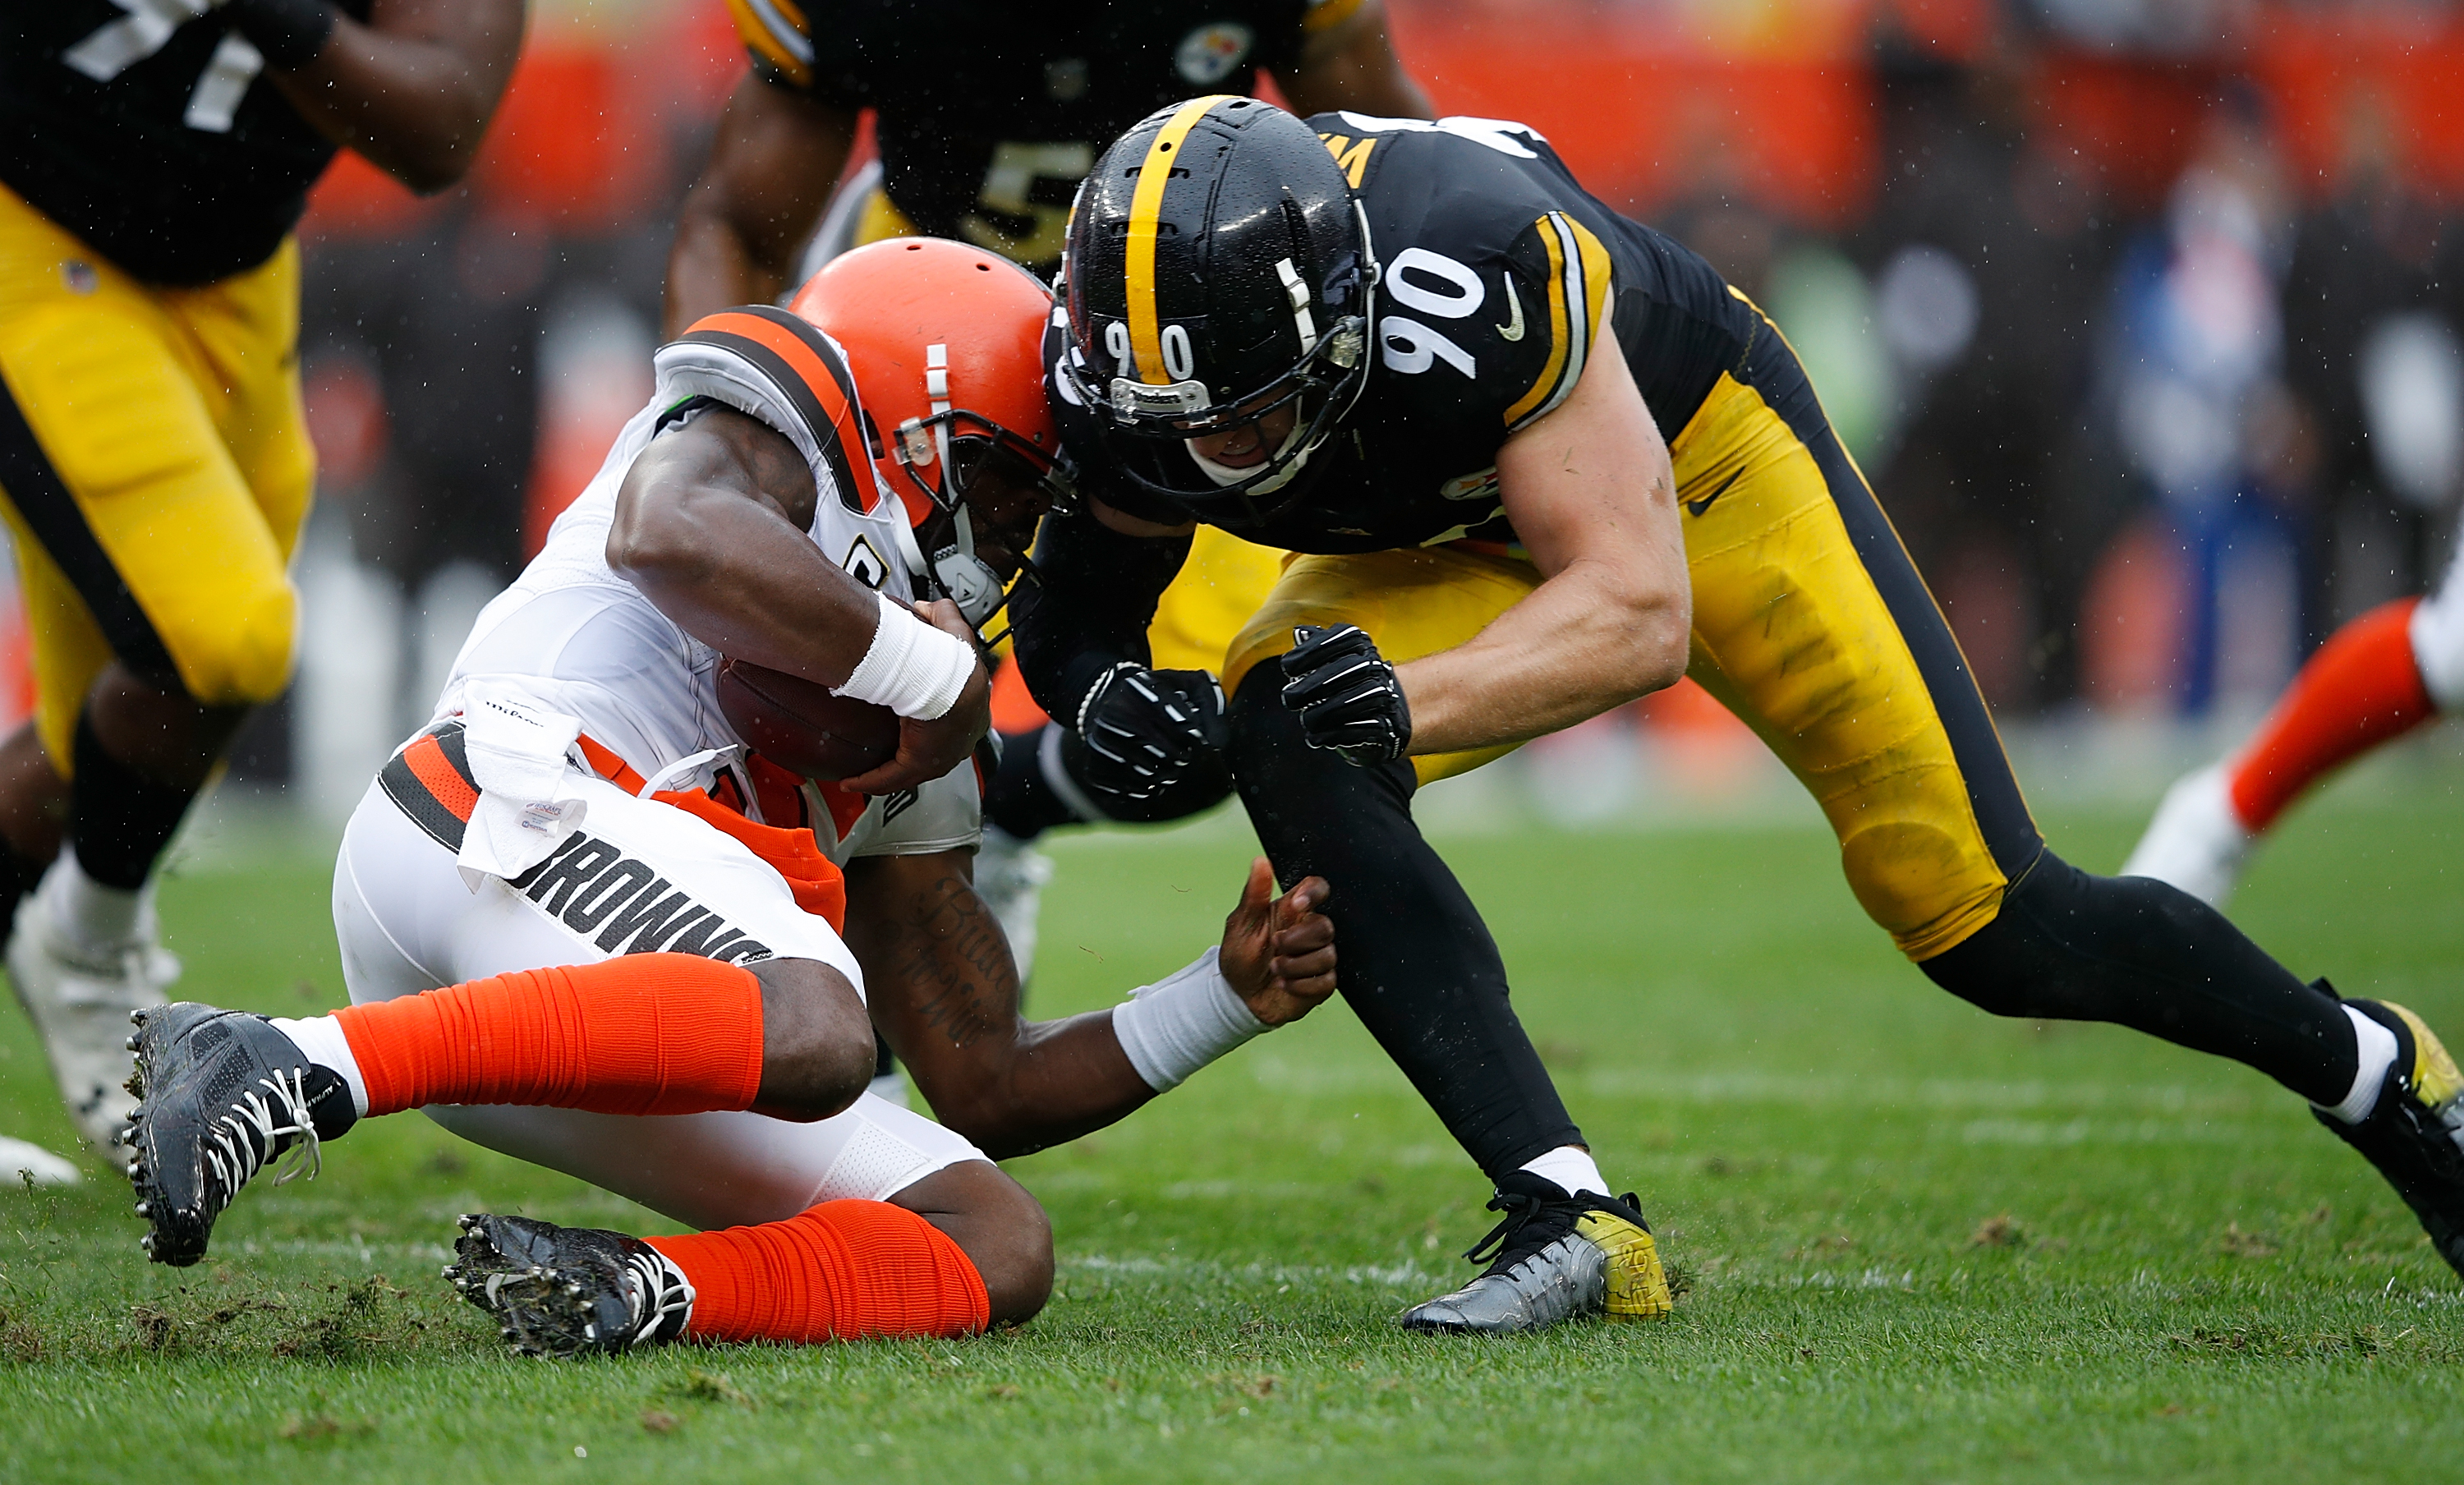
(1512, 329)
(1698, 507)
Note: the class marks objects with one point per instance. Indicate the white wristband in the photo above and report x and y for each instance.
(913, 667)
(1180, 1023)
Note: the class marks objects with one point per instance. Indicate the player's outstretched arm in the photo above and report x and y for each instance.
(772, 167)
(1591, 492)
(944, 991)
(710, 526)
(1352, 64)
(412, 88)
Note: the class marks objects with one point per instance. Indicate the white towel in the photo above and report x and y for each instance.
(528, 805)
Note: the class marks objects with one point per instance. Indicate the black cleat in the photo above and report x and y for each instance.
(568, 1291)
(1555, 1256)
(221, 1093)
(2414, 1134)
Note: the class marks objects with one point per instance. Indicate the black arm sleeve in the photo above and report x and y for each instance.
(1088, 607)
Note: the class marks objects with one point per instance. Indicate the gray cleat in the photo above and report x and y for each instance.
(222, 1094)
(568, 1291)
(1555, 1256)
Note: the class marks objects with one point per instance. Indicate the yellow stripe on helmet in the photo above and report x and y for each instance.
(1146, 209)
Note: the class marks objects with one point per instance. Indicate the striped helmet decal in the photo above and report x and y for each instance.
(1146, 212)
(804, 385)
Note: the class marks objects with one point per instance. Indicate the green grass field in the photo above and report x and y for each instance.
(1915, 1242)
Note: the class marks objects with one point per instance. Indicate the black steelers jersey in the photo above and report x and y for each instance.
(989, 114)
(1498, 275)
(152, 136)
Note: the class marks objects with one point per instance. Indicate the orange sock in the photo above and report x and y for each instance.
(647, 1033)
(2361, 688)
(843, 1271)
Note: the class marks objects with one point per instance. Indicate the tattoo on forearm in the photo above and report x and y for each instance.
(958, 962)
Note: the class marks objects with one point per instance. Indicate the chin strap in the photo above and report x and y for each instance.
(966, 578)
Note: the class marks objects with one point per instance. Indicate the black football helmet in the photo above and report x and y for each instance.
(1218, 269)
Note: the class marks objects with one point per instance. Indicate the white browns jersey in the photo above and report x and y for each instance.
(574, 638)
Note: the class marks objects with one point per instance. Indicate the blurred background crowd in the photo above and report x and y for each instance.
(2143, 316)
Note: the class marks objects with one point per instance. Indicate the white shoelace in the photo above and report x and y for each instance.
(235, 1158)
(663, 1291)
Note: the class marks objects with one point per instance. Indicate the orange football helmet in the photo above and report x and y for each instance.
(946, 344)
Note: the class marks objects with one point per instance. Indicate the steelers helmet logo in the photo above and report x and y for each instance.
(864, 565)
(1208, 54)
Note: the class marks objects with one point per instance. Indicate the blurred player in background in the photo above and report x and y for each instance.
(1542, 459)
(2394, 669)
(987, 116)
(153, 161)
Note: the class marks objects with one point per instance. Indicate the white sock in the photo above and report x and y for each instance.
(1570, 1167)
(2375, 1046)
(96, 916)
(321, 1039)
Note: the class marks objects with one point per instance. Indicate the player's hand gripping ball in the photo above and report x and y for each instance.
(800, 726)
(1349, 700)
(1150, 730)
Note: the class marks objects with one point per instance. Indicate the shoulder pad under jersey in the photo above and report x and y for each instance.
(781, 370)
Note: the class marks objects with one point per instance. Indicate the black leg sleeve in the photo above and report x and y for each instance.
(2068, 946)
(1417, 964)
(118, 819)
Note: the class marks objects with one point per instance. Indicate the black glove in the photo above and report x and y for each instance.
(1147, 730)
(1348, 698)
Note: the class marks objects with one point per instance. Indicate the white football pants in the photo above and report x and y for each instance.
(406, 923)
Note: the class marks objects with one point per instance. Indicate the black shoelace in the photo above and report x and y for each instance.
(1512, 1240)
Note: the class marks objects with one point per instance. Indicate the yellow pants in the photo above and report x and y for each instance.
(154, 467)
(1809, 623)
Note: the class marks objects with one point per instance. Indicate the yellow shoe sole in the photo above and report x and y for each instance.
(1637, 1288)
(2434, 1077)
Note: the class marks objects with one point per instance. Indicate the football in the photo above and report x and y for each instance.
(799, 725)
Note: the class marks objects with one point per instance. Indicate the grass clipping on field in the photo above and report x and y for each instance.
(1913, 1242)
